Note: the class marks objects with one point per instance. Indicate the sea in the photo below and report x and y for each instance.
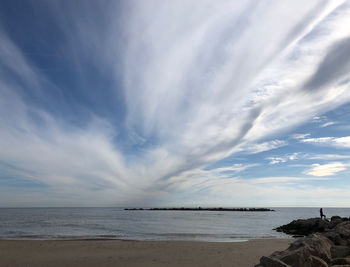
(120, 224)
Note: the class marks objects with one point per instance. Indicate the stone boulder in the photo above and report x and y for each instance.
(334, 223)
(310, 251)
(341, 261)
(335, 238)
(340, 251)
(304, 226)
(318, 262)
(316, 244)
(330, 246)
(296, 257)
(343, 229)
(335, 220)
(272, 262)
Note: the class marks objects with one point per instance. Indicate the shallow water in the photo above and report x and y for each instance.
(115, 223)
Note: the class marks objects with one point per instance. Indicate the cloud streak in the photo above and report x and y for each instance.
(190, 84)
(339, 142)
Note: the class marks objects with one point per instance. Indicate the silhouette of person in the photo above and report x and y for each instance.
(321, 214)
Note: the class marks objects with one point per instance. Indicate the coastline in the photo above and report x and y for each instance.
(136, 253)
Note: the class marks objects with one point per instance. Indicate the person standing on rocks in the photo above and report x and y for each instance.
(321, 214)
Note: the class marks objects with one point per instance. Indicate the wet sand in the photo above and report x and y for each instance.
(101, 253)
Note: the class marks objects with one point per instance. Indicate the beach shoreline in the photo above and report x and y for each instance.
(103, 253)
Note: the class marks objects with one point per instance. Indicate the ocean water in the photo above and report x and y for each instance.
(116, 223)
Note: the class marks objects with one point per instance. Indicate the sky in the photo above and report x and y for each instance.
(137, 103)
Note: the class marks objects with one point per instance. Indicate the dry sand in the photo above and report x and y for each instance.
(102, 253)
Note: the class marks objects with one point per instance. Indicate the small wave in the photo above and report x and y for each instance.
(6, 233)
(60, 237)
(70, 225)
(198, 237)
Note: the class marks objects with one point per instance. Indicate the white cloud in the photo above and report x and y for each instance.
(285, 179)
(329, 123)
(323, 120)
(265, 146)
(201, 81)
(328, 156)
(340, 142)
(215, 173)
(234, 168)
(328, 169)
(300, 136)
(283, 159)
(319, 119)
(265, 191)
(305, 156)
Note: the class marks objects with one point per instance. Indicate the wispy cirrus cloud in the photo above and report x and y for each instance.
(286, 179)
(300, 136)
(284, 158)
(147, 96)
(306, 156)
(264, 146)
(329, 123)
(340, 142)
(328, 156)
(289, 190)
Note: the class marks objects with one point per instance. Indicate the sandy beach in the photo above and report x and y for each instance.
(135, 253)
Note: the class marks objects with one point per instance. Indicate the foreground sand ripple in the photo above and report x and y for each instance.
(135, 253)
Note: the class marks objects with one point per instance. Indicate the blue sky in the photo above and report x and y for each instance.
(153, 103)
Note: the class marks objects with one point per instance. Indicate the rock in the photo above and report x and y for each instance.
(296, 236)
(317, 245)
(340, 251)
(310, 251)
(330, 246)
(271, 262)
(335, 238)
(335, 222)
(296, 258)
(341, 261)
(343, 229)
(335, 218)
(344, 219)
(318, 262)
(304, 227)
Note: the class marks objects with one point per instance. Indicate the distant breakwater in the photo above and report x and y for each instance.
(204, 209)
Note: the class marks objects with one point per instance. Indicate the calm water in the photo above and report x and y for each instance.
(115, 223)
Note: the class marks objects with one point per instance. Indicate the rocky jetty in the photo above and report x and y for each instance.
(205, 209)
(325, 243)
(304, 227)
